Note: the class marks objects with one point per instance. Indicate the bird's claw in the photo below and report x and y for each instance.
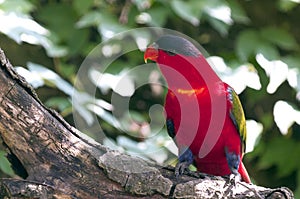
(234, 179)
(181, 168)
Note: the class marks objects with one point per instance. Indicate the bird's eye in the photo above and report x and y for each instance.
(170, 53)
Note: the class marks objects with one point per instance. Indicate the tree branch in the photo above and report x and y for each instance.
(61, 162)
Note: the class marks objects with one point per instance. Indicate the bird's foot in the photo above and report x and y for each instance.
(234, 179)
(181, 168)
(188, 172)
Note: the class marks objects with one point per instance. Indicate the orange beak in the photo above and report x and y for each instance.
(151, 53)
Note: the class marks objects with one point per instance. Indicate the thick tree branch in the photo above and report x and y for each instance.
(60, 162)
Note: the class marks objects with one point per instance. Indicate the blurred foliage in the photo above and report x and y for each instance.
(253, 44)
(5, 165)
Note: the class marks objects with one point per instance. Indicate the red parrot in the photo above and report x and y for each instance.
(204, 115)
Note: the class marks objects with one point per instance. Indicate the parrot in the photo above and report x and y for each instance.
(204, 115)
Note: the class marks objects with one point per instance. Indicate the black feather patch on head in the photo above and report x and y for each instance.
(177, 45)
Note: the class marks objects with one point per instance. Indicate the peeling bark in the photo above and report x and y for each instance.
(61, 162)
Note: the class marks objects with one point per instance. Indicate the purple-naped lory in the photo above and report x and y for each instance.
(204, 115)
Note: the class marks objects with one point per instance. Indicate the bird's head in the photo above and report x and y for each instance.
(169, 46)
(177, 59)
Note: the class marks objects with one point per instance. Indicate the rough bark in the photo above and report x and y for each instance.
(58, 161)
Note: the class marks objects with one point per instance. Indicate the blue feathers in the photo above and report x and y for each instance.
(170, 128)
(233, 161)
(185, 155)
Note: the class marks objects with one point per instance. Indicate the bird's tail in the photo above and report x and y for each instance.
(244, 173)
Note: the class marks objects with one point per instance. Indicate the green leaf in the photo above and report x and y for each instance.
(21, 28)
(17, 6)
(62, 22)
(32, 78)
(268, 50)
(77, 41)
(110, 26)
(147, 149)
(105, 115)
(92, 18)
(79, 101)
(247, 43)
(129, 144)
(237, 12)
(82, 6)
(219, 11)
(220, 26)
(279, 37)
(5, 165)
(54, 50)
(250, 43)
(51, 78)
(61, 103)
(188, 10)
(158, 16)
(287, 5)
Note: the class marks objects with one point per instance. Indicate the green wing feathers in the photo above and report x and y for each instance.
(238, 117)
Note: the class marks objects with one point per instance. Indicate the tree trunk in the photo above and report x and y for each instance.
(58, 161)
